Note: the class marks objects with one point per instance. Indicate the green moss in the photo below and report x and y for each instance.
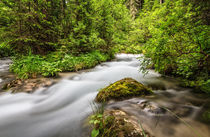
(121, 89)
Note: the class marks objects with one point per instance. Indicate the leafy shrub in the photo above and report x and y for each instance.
(206, 86)
(5, 50)
(34, 65)
(50, 69)
(97, 121)
(132, 49)
(175, 36)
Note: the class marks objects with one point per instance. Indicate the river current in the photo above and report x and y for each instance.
(60, 110)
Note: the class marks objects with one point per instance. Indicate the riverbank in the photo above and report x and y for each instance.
(11, 84)
(33, 71)
(31, 66)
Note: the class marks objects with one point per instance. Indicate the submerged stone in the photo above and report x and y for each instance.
(122, 89)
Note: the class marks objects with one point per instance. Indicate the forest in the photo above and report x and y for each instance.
(47, 38)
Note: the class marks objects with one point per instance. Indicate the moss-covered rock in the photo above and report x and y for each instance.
(122, 89)
(117, 123)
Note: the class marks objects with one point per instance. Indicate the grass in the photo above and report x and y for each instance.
(144, 134)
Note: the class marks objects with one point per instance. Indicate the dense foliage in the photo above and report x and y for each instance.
(42, 26)
(175, 35)
(77, 30)
(32, 65)
(5, 51)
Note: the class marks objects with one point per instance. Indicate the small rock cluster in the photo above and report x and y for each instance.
(28, 85)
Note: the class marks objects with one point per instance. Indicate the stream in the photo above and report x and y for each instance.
(60, 110)
(5, 75)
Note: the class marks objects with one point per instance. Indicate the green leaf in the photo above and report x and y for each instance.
(94, 133)
(96, 122)
(91, 121)
(99, 115)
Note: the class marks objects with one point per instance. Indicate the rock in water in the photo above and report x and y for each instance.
(122, 125)
(122, 89)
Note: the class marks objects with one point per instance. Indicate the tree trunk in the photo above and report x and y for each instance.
(132, 6)
(63, 7)
(36, 5)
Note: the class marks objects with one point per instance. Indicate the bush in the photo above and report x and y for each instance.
(30, 66)
(206, 86)
(33, 65)
(175, 36)
(132, 49)
(84, 61)
(5, 50)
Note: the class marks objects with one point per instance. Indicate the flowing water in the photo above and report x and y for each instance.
(60, 110)
(5, 75)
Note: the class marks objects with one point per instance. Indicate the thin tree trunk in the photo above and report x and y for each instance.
(63, 7)
(36, 5)
(20, 22)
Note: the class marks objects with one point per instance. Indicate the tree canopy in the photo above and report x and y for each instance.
(172, 34)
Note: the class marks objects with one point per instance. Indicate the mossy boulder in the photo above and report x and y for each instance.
(122, 89)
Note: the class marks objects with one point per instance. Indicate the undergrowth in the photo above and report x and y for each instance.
(5, 50)
(129, 49)
(112, 124)
(32, 65)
